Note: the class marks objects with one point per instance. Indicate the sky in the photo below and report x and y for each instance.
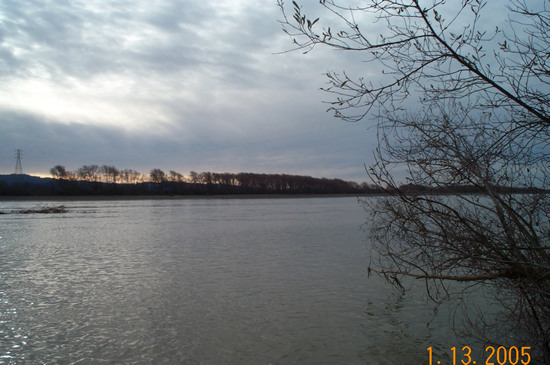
(177, 85)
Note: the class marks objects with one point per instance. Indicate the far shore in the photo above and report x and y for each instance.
(174, 197)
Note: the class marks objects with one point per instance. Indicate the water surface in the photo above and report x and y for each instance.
(212, 281)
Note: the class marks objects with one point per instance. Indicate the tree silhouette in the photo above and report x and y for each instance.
(455, 104)
(157, 176)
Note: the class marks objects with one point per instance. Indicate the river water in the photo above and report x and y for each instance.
(203, 281)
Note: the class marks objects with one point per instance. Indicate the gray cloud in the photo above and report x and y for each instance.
(320, 151)
(171, 84)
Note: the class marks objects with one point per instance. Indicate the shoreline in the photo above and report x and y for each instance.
(174, 197)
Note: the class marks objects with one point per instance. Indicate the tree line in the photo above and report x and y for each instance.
(102, 179)
(109, 180)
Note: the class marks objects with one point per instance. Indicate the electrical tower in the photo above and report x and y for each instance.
(18, 167)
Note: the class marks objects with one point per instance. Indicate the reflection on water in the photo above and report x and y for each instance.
(236, 281)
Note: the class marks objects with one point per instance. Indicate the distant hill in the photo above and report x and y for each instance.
(26, 179)
(26, 185)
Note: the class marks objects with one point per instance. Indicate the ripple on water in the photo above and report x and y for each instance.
(202, 281)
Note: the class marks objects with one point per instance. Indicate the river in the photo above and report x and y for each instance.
(203, 281)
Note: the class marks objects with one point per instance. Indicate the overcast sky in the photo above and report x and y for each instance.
(177, 85)
(173, 84)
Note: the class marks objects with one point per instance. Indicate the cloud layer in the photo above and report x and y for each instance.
(182, 85)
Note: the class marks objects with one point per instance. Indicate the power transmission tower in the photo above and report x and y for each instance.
(18, 167)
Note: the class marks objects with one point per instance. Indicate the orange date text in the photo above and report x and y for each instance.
(493, 356)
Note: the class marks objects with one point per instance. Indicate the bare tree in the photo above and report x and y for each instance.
(88, 172)
(157, 176)
(457, 104)
(110, 173)
(59, 172)
(194, 177)
(206, 177)
(228, 178)
(133, 176)
(496, 239)
(175, 176)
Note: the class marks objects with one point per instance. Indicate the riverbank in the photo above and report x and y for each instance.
(173, 197)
